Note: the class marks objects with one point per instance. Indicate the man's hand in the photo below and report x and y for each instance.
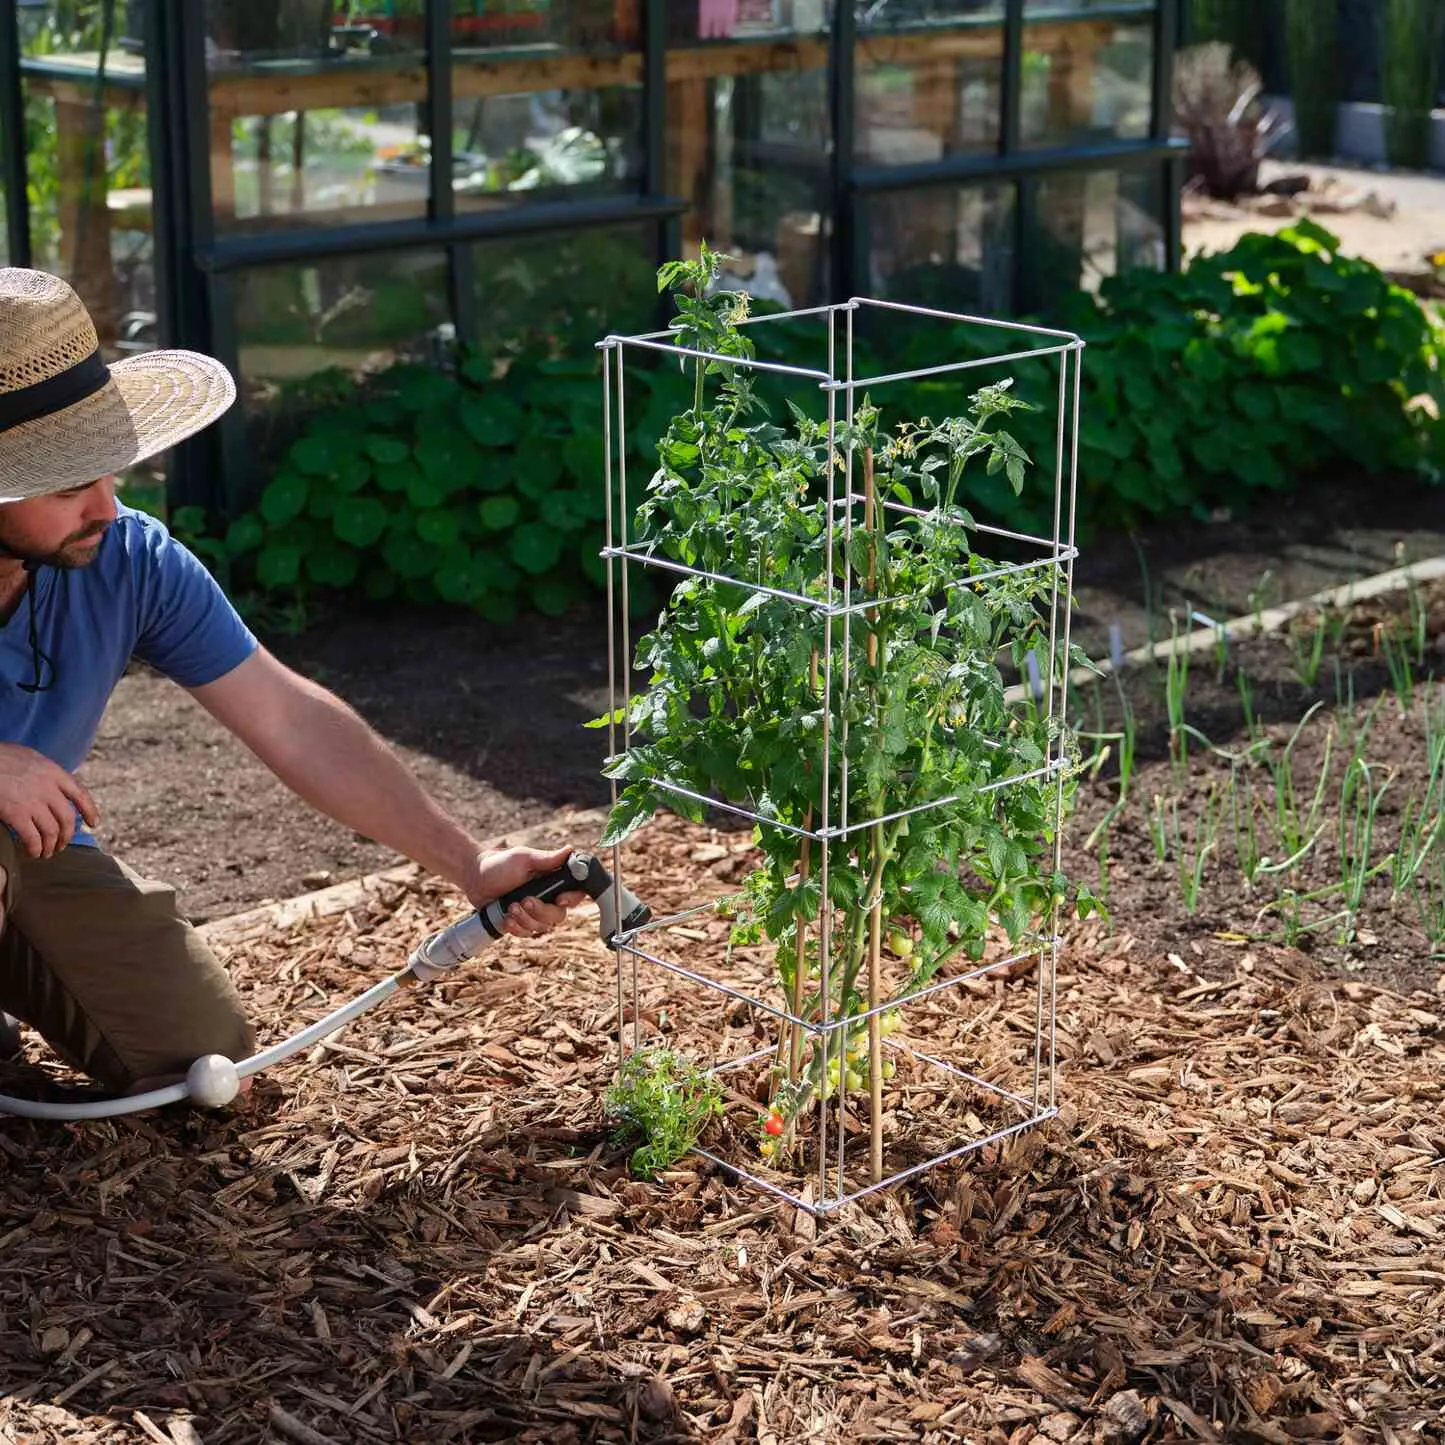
(499, 873)
(38, 800)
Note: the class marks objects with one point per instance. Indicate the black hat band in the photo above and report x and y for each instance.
(55, 393)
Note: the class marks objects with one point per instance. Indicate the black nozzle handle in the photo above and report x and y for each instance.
(581, 873)
(620, 911)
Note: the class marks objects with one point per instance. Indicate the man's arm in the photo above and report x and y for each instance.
(326, 754)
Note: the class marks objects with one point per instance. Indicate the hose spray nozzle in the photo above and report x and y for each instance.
(621, 911)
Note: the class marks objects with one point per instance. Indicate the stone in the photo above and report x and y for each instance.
(1124, 1419)
(687, 1316)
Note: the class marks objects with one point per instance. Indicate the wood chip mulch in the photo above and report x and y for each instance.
(1234, 1230)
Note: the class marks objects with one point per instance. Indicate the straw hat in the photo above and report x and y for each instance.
(66, 418)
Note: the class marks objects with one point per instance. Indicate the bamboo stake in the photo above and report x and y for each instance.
(790, 1043)
(800, 964)
(800, 957)
(875, 917)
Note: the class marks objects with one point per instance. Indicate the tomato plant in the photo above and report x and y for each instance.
(953, 789)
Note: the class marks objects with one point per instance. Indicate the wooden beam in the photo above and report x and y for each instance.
(340, 85)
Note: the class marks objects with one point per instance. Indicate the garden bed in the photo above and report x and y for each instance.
(426, 1231)
(1254, 755)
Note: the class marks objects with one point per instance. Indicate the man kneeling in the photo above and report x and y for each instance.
(98, 959)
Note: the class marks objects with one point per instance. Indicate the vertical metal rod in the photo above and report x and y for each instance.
(1025, 280)
(825, 922)
(849, 416)
(437, 108)
(1165, 40)
(622, 525)
(193, 79)
(238, 462)
(612, 565)
(12, 139)
(1173, 183)
(847, 542)
(232, 484)
(1168, 25)
(1078, 357)
(441, 190)
(1054, 739)
(168, 186)
(654, 101)
(192, 475)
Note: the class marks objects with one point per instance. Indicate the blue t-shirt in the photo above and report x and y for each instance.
(143, 595)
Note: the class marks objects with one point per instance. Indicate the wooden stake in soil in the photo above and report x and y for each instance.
(875, 916)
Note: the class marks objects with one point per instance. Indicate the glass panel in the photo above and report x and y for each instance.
(304, 330)
(748, 138)
(1085, 80)
(548, 100)
(943, 247)
(88, 162)
(316, 111)
(1092, 224)
(929, 79)
(908, 114)
(558, 295)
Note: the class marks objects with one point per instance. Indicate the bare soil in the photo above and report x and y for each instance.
(1217, 791)
(491, 723)
(491, 719)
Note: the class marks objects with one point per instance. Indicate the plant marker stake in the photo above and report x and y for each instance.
(1036, 685)
(1116, 646)
(214, 1080)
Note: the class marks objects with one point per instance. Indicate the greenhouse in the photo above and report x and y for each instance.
(310, 188)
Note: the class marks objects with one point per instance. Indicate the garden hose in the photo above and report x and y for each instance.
(214, 1080)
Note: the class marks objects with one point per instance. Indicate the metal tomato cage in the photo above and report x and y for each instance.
(1031, 1098)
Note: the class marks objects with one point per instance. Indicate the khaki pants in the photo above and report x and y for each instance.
(99, 961)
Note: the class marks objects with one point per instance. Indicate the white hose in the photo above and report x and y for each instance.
(95, 1109)
(438, 955)
(435, 957)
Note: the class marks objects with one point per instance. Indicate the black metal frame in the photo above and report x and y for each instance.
(12, 138)
(196, 267)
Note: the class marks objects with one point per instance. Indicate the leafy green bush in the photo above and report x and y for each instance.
(482, 488)
(1253, 368)
(1245, 373)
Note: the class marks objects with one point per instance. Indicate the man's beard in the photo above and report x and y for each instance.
(77, 550)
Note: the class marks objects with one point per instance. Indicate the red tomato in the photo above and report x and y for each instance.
(774, 1125)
